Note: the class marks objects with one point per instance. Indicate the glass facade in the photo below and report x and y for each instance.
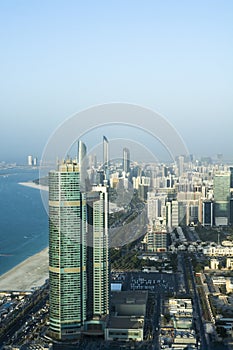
(98, 260)
(100, 257)
(221, 197)
(67, 252)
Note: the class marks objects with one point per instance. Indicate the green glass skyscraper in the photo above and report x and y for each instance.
(67, 252)
(100, 253)
(221, 198)
(97, 257)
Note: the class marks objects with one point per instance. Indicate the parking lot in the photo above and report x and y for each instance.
(168, 283)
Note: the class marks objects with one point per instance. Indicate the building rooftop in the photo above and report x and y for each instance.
(130, 297)
(126, 322)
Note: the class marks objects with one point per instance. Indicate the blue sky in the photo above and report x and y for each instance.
(59, 57)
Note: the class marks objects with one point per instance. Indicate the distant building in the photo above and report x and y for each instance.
(180, 164)
(99, 177)
(105, 150)
(231, 182)
(126, 160)
(221, 198)
(114, 181)
(229, 285)
(106, 157)
(178, 213)
(231, 210)
(175, 213)
(142, 183)
(208, 213)
(156, 206)
(218, 251)
(219, 280)
(229, 263)
(30, 160)
(156, 239)
(214, 264)
(220, 158)
(82, 161)
(189, 207)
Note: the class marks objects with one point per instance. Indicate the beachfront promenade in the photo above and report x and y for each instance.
(29, 274)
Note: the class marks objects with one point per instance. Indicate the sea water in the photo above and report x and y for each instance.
(23, 219)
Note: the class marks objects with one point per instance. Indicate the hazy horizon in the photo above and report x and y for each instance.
(58, 58)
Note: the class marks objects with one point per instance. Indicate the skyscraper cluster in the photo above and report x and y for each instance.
(181, 193)
(187, 193)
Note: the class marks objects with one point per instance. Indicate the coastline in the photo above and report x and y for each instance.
(29, 274)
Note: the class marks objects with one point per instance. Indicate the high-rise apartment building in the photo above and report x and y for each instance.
(180, 164)
(82, 151)
(126, 160)
(67, 252)
(97, 257)
(208, 213)
(30, 160)
(231, 171)
(82, 161)
(221, 197)
(105, 151)
(78, 254)
(156, 239)
(106, 158)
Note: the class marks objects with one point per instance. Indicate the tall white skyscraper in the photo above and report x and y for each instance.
(30, 160)
(82, 161)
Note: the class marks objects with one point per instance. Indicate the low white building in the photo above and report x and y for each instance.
(180, 307)
(125, 328)
(214, 264)
(220, 280)
(218, 251)
(229, 284)
(229, 263)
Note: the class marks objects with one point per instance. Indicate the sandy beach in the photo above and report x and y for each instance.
(34, 185)
(29, 274)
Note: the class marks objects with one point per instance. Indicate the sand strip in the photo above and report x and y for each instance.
(29, 274)
(34, 185)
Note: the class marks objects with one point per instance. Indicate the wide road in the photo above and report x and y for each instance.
(156, 322)
(196, 301)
